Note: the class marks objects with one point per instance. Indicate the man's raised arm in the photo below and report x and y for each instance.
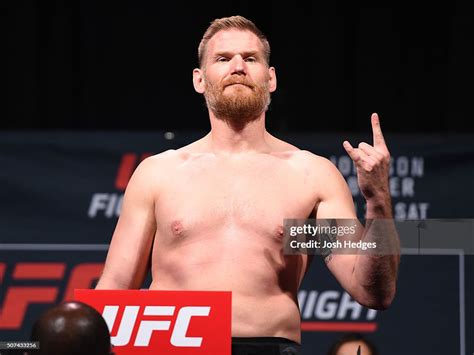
(369, 278)
(129, 252)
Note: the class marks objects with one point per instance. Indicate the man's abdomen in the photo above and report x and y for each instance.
(263, 282)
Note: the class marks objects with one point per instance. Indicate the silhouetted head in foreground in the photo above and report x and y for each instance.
(353, 344)
(71, 328)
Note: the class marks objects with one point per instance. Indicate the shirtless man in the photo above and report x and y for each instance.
(209, 216)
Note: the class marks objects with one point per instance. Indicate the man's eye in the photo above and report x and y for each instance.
(250, 59)
(222, 59)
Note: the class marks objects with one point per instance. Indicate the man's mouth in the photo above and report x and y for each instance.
(238, 84)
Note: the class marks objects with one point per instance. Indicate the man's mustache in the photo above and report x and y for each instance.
(237, 80)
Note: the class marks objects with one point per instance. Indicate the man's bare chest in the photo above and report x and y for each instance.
(258, 195)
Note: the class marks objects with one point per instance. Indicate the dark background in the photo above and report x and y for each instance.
(90, 64)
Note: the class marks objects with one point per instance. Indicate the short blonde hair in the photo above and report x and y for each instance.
(233, 22)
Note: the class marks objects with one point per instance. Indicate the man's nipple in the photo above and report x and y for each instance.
(279, 232)
(177, 228)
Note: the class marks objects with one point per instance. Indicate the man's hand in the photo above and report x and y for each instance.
(372, 163)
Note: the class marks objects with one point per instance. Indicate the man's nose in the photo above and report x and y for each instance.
(238, 65)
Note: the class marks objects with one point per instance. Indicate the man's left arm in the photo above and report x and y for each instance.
(368, 277)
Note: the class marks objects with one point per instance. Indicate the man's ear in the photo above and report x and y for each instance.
(198, 80)
(272, 81)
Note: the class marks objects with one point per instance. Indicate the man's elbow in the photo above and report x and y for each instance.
(377, 300)
(382, 303)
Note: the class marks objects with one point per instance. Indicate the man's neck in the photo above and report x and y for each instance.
(225, 137)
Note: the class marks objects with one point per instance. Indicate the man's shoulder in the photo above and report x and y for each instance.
(168, 157)
(159, 162)
(311, 160)
(301, 156)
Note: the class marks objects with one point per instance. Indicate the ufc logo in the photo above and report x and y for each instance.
(147, 327)
(165, 322)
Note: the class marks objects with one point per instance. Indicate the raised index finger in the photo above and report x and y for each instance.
(379, 141)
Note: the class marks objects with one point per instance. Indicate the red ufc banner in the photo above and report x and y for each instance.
(164, 322)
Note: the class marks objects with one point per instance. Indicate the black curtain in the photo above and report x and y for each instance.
(116, 65)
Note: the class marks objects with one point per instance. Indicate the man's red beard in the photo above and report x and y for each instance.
(237, 104)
